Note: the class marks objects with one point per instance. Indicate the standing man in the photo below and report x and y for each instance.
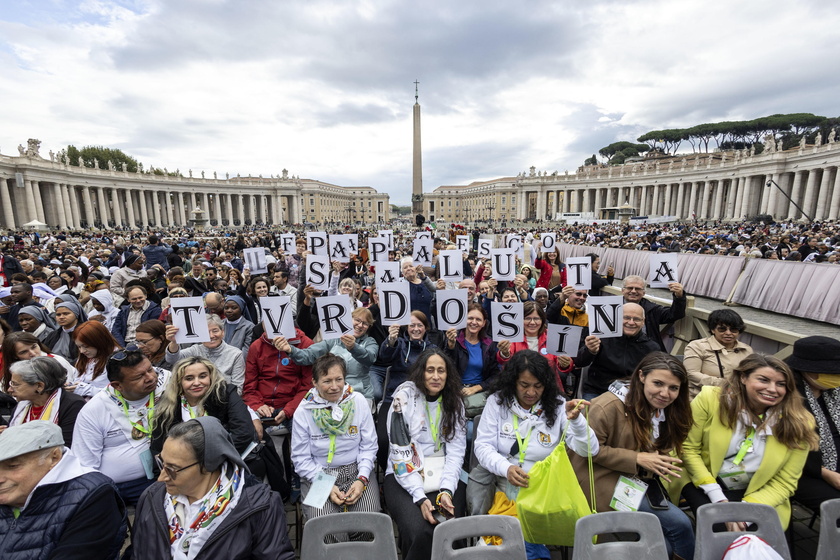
(655, 315)
(131, 270)
(282, 287)
(156, 252)
(113, 430)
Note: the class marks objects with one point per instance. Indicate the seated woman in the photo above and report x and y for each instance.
(473, 352)
(525, 397)
(710, 360)
(37, 386)
(817, 372)
(95, 344)
(536, 336)
(427, 436)
(68, 315)
(150, 338)
(239, 330)
(750, 439)
(205, 502)
(22, 346)
(196, 388)
(332, 408)
(36, 320)
(226, 358)
(358, 350)
(638, 426)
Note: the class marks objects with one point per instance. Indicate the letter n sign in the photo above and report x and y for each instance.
(606, 316)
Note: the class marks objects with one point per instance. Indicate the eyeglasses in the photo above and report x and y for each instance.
(633, 289)
(722, 329)
(122, 355)
(532, 320)
(143, 343)
(172, 473)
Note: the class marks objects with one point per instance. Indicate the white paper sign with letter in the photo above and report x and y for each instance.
(277, 317)
(663, 269)
(389, 233)
(606, 316)
(378, 249)
(514, 241)
(451, 309)
(287, 242)
(422, 254)
(507, 321)
(189, 316)
(484, 248)
(318, 271)
(255, 260)
(504, 264)
(316, 241)
(548, 242)
(462, 242)
(335, 315)
(451, 265)
(579, 272)
(386, 271)
(563, 340)
(394, 303)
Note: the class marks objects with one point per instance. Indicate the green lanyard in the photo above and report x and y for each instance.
(523, 445)
(331, 452)
(746, 447)
(434, 424)
(189, 408)
(150, 406)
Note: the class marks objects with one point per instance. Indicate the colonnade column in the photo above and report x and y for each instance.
(228, 208)
(810, 193)
(718, 203)
(170, 211)
(129, 206)
(586, 207)
(821, 210)
(59, 206)
(795, 192)
(704, 203)
(834, 208)
(156, 208)
(117, 206)
(182, 205)
(264, 212)
(68, 207)
(598, 204)
(39, 205)
(732, 199)
(6, 203)
(217, 208)
(31, 214)
(74, 206)
(240, 207)
(772, 193)
(680, 199)
(144, 211)
(104, 207)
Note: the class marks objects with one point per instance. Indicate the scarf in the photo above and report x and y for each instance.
(527, 418)
(23, 412)
(331, 418)
(187, 536)
(828, 452)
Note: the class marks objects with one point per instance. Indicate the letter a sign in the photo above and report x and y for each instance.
(663, 269)
(188, 315)
(335, 314)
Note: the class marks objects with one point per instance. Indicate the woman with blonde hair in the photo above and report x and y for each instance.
(750, 439)
(196, 388)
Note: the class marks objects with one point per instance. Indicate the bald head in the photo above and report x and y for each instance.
(634, 318)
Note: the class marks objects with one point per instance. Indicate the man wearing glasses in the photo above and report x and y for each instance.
(113, 430)
(614, 358)
(655, 315)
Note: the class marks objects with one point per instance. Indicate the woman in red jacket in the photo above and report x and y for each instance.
(552, 271)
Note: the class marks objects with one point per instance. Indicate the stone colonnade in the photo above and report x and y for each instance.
(712, 190)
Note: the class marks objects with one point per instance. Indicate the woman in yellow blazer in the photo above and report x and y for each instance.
(749, 441)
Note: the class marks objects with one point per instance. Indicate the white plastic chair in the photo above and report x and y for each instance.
(829, 544)
(504, 526)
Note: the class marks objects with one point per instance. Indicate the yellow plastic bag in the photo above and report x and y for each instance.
(553, 501)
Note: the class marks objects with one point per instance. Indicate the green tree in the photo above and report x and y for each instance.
(101, 156)
(591, 160)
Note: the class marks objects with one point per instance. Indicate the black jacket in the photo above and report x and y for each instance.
(656, 315)
(231, 412)
(254, 529)
(80, 519)
(617, 359)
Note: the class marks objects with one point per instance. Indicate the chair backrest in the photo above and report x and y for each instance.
(473, 458)
(382, 547)
(829, 543)
(650, 546)
(504, 526)
(712, 545)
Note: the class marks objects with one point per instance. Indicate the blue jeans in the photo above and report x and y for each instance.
(376, 375)
(676, 527)
(130, 490)
(589, 396)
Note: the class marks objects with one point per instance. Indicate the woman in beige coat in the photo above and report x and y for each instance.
(710, 360)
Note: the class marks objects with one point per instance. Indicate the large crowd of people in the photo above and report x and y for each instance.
(102, 409)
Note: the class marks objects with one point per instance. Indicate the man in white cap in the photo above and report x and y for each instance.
(50, 505)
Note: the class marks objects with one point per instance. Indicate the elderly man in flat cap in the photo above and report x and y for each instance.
(51, 506)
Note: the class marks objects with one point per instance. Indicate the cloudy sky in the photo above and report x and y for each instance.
(324, 88)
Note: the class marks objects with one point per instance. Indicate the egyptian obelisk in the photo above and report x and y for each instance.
(417, 172)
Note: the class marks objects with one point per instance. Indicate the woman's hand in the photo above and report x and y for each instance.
(574, 407)
(517, 476)
(337, 496)
(610, 271)
(451, 336)
(420, 272)
(427, 508)
(504, 348)
(308, 292)
(440, 284)
(393, 332)
(282, 344)
(467, 391)
(658, 464)
(337, 266)
(348, 340)
(446, 504)
(354, 493)
(564, 362)
(171, 331)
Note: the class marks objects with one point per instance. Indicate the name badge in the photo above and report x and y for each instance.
(629, 493)
(320, 490)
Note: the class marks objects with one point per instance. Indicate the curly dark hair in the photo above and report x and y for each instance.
(451, 401)
(527, 360)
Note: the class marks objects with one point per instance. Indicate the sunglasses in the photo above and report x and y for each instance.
(123, 354)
